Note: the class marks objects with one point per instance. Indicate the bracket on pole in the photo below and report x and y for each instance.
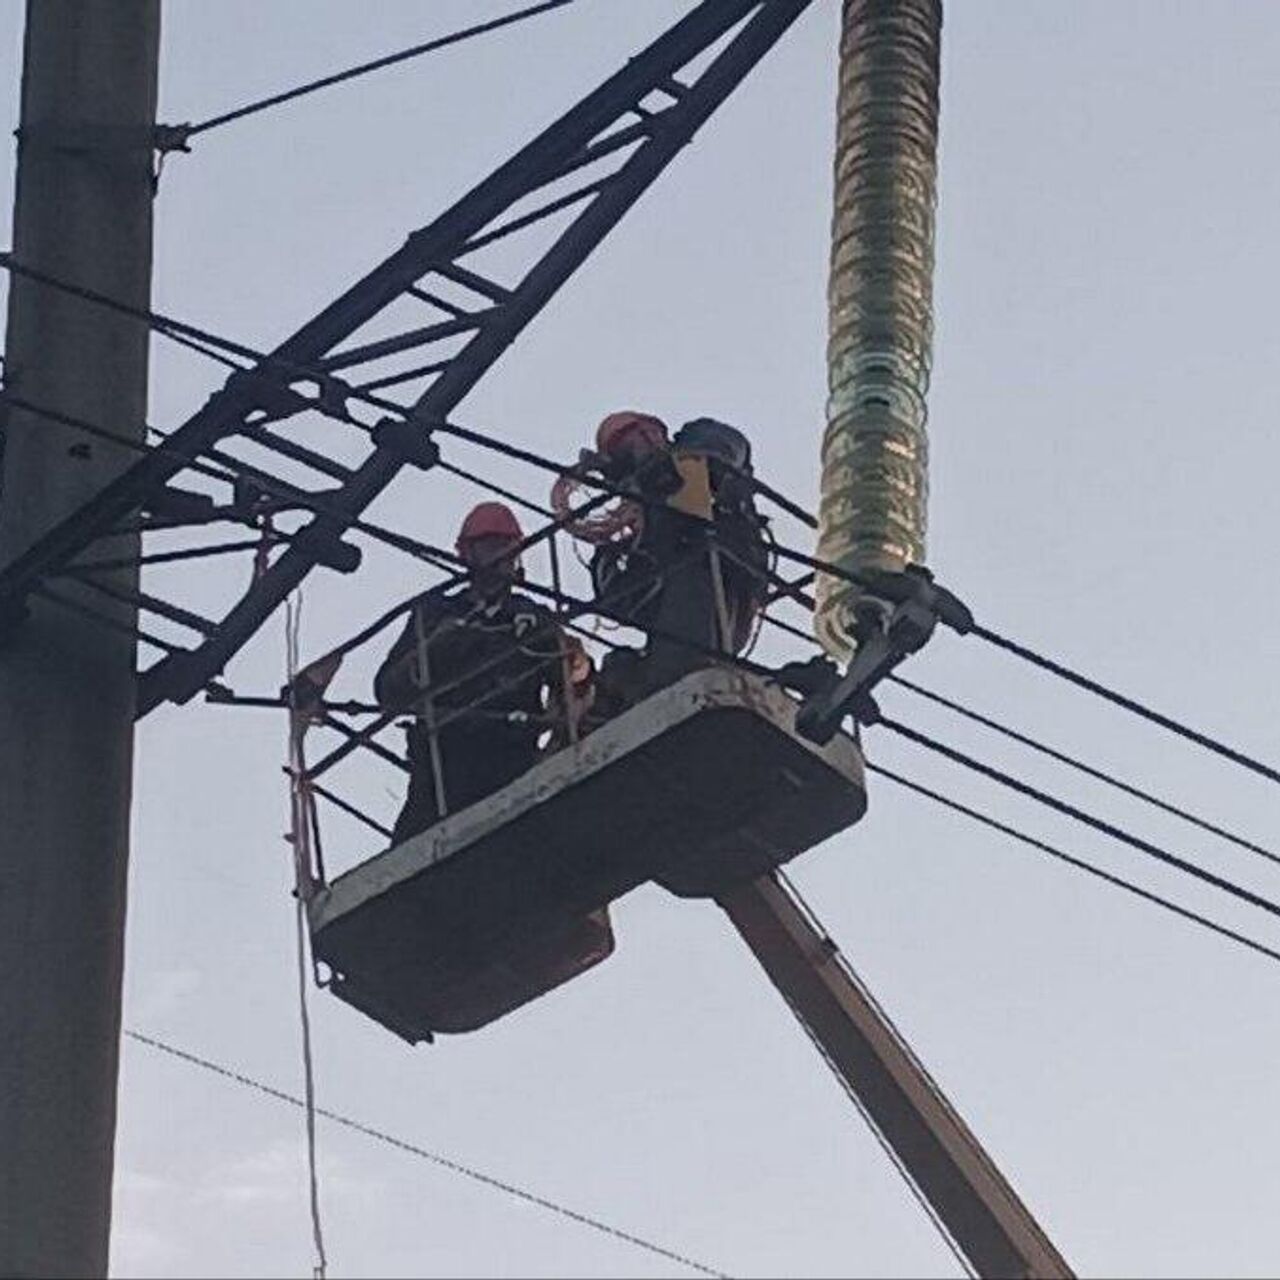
(905, 610)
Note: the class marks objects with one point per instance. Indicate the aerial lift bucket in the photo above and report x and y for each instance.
(701, 785)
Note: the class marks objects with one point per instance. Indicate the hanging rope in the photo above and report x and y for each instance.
(303, 825)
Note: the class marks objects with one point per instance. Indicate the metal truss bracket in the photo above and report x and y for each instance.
(907, 608)
(587, 169)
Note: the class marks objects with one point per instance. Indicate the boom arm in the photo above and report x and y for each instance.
(933, 1146)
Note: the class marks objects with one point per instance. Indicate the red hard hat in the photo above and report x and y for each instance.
(617, 426)
(489, 520)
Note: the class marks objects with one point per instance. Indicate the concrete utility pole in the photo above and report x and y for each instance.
(83, 214)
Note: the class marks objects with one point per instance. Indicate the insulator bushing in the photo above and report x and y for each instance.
(875, 449)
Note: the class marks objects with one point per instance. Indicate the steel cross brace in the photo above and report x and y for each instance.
(589, 133)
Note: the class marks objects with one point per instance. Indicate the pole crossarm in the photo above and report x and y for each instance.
(624, 133)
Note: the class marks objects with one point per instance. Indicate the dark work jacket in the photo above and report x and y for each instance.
(502, 655)
(627, 574)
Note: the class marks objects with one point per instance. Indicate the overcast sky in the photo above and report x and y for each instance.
(1104, 457)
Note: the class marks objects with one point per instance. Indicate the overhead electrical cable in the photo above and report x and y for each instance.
(1066, 673)
(785, 590)
(1088, 819)
(1071, 860)
(499, 491)
(1129, 704)
(442, 560)
(1081, 766)
(432, 1157)
(171, 327)
(109, 624)
(166, 326)
(178, 330)
(977, 717)
(176, 136)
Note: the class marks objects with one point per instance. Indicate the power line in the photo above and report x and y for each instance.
(1063, 672)
(1071, 860)
(422, 551)
(1129, 704)
(170, 327)
(432, 1157)
(1088, 819)
(177, 330)
(175, 137)
(528, 504)
(165, 325)
(1034, 744)
(109, 624)
(1081, 766)
(193, 336)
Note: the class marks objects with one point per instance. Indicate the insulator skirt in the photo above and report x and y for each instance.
(875, 479)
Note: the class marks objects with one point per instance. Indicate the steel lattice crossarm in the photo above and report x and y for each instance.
(593, 163)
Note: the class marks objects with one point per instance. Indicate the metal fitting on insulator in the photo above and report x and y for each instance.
(875, 451)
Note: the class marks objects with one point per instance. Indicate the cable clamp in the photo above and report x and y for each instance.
(327, 549)
(171, 137)
(263, 391)
(896, 618)
(185, 505)
(409, 442)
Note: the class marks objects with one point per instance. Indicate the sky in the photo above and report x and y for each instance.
(1102, 488)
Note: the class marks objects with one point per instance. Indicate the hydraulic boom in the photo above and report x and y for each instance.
(932, 1145)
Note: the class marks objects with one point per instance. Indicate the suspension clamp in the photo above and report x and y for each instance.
(906, 609)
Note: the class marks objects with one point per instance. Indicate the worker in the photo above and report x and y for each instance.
(693, 492)
(479, 665)
(633, 451)
(740, 531)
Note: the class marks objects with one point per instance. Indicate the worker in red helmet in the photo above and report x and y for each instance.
(629, 439)
(478, 666)
(633, 451)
